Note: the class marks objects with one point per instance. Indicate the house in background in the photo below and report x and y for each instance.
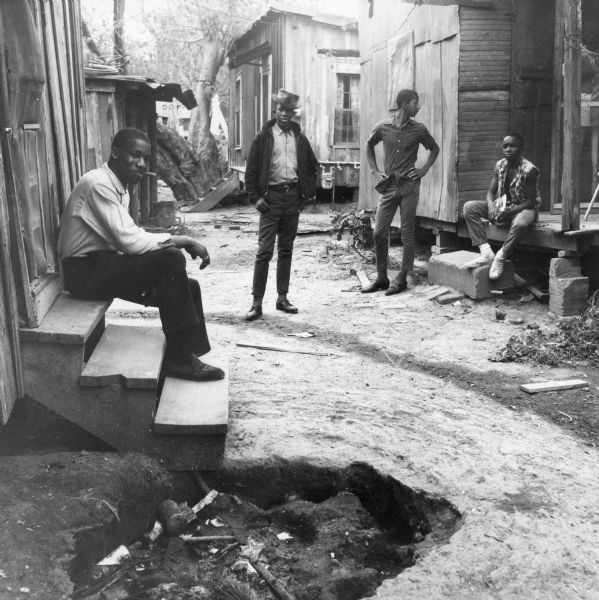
(174, 115)
(483, 69)
(315, 57)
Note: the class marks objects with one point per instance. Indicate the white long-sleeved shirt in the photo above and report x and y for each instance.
(97, 218)
(283, 166)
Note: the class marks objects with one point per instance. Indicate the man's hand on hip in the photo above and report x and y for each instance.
(262, 206)
(379, 176)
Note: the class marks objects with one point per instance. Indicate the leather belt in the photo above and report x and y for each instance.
(283, 187)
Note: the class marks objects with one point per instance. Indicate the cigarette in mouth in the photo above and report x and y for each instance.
(150, 174)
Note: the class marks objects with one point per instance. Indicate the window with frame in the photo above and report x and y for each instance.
(347, 110)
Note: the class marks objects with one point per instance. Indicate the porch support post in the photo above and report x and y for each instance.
(571, 39)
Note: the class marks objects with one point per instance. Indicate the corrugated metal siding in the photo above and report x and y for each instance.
(483, 97)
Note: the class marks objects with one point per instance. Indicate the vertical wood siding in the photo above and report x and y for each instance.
(434, 30)
(483, 97)
(297, 66)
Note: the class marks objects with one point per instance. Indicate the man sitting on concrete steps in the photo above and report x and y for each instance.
(513, 200)
(106, 255)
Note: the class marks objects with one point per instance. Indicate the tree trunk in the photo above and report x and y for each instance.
(119, 36)
(200, 138)
(168, 170)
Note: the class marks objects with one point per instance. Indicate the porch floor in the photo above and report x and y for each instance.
(547, 233)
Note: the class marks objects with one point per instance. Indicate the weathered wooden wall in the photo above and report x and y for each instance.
(43, 155)
(531, 95)
(484, 95)
(267, 35)
(105, 116)
(293, 42)
(314, 77)
(432, 31)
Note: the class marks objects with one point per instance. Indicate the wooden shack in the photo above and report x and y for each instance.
(316, 58)
(117, 101)
(484, 68)
(42, 156)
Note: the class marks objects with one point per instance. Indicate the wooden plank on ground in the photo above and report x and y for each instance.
(194, 407)
(363, 278)
(126, 353)
(437, 293)
(222, 190)
(551, 386)
(283, 349)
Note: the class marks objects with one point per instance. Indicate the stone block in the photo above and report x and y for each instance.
(564, 267)
(450, 270)
(568, 295)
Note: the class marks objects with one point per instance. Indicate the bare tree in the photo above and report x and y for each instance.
(193, 39)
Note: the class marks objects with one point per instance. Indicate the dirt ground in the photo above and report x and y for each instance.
(401, 383)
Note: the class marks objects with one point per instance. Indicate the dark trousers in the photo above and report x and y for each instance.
(279, 223)
(157, 278)
(404, 194)
(476, 210)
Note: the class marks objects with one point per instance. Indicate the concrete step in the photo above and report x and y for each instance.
(450, 270)
(53, 358)
(69, 321)
(194, 407)
(128, 354)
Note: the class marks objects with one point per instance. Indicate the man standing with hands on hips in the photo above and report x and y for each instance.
(399, 185)
(280, 176)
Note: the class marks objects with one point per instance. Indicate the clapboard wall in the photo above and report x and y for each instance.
(483, 115)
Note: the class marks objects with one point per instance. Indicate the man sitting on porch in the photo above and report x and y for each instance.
(106, 255)
(513, 200)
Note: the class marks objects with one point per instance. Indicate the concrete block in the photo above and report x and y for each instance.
(450, 270)
(564, 267)
(568, 295)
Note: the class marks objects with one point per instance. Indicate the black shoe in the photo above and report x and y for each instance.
(376, 285)
(194, 369)
(254, 312)
(286, 306)
(396, 288)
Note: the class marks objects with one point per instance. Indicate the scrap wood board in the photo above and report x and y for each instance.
(551, 386)
(194, 407)
(283, 349)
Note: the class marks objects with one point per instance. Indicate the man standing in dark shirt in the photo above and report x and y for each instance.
(399, 185)
(280, 176)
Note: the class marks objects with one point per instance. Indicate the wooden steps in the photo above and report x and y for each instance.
(193, 407)
(69, 321)
(130, 354)
(119, 367)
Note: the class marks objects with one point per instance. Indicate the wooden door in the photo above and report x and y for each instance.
(11, 383)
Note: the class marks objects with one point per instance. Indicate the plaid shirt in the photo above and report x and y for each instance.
(517, 189)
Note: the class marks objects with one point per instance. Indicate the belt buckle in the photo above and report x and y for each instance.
(286, 187)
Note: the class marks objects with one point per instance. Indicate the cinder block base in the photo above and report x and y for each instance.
(568, 295)
(450, 270)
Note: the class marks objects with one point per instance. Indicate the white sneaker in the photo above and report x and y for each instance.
(496, 269)
(484, 258)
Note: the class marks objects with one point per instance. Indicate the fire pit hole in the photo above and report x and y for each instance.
(322, 533)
